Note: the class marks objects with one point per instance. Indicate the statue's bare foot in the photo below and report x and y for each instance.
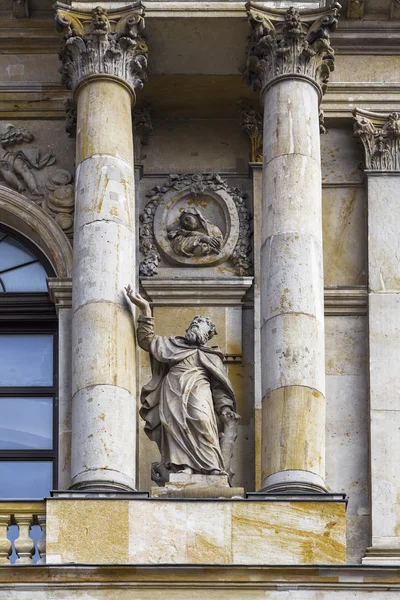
(215, 472)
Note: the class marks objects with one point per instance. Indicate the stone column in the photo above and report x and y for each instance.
(289, 61)
(380, 136)
(104, 59)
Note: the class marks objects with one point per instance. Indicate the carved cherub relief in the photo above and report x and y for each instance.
(16, 166)
(195, 235)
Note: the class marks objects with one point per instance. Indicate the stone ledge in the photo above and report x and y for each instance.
(183, 532)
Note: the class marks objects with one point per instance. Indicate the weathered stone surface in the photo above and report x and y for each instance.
(285, 132)
(292, 284)
(291, 360)
(108, 129)
(344, 236)
(299, 212)
(199, 532)
(383, 233)
(291, 418)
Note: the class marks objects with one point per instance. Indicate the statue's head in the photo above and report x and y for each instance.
(189, 220)
(200, 330)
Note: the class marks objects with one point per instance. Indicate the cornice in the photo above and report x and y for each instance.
(39, 36)
(205, 577)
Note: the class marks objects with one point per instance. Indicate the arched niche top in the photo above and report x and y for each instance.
(29, 219)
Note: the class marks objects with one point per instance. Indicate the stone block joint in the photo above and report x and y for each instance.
(289, 44)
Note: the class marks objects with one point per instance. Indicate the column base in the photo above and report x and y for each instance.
(98, 481)
(294, 481)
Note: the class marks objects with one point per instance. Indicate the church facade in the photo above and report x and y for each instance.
(199, 299)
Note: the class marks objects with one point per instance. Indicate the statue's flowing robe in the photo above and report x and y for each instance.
(189, 387)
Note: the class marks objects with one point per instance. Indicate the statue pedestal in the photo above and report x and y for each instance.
(182, 485)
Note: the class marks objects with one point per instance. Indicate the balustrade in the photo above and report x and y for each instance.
(23, 549)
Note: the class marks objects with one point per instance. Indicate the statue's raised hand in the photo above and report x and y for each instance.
(138, 301)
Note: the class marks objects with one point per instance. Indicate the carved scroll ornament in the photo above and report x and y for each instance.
(380, 136)
(193, 238)
(289, 43)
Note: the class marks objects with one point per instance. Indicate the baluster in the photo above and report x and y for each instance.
(41, 545)
(5, 544)
(24, 545)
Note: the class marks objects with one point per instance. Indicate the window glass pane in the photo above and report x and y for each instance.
(30, 278)
(13, 253)
(25, 479)
(26, 359)
(26, 423)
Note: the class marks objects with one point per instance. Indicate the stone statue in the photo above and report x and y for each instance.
(15, 166)
(196, 236)
(189, 404)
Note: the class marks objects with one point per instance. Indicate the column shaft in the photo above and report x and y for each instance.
(292, 327)
(104, 378)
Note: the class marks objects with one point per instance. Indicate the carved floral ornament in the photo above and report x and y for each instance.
(380, 136)
(195, 220)
(103, 42)
(26, 170)
(289, 43)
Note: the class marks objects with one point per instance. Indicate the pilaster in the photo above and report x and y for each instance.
(380, 136)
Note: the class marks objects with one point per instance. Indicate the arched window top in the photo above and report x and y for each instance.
(20, 268)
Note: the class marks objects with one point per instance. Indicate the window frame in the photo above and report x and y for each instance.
(32, 313)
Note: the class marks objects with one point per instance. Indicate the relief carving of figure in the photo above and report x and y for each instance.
(195, 236)
(189, 404)
(15, 166)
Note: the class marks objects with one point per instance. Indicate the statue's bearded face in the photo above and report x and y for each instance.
(200, 330)
(189, 222)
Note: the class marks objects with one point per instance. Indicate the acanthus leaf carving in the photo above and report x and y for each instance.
(252, 124)
(380, 136)
(196, 184)
(289, 43)
(142, 128)
(103, 42)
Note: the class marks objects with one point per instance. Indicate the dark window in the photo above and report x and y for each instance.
(28, 372)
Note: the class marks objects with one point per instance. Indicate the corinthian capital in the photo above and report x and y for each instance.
(103, 42)
(380, 136)
(289, 43)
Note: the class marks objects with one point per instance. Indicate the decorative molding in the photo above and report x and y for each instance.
(380, 136)
(194, 184)
(31, 220)
(381, 556)
(60, 291)
(100, 42)
(345, 302)
(20, 9)
(355, 9)
(142, 129)
(196, 291)
(251, 123)
(289, 43)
